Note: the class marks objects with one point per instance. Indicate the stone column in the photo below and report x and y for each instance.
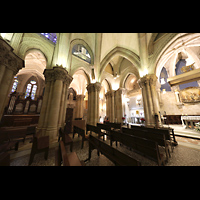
(93, 103)
(53, 106)
(150, 99)
(79, 106)
(10, 64)
(110, 105)
(118, 107)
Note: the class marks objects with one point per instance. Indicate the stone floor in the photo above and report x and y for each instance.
(187, 153)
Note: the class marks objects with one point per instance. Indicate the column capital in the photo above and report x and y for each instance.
(57, 73)
(80, 96)
(109, 93)
(92, 87)
(147, 79)
(9, 59)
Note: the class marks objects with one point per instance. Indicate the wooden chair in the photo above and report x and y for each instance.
(40, 144)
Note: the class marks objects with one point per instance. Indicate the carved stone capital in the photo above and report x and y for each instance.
(109, 94)
(8, 58)
(57, 73)
(80, 97)
(94, 87)
(149, 79)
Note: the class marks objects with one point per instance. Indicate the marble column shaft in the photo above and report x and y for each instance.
(110, 111)
(93, 103)
(118, 105)
(79, 106)
(53, 109)
(150, 99)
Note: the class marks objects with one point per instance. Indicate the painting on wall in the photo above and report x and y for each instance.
(190, 95)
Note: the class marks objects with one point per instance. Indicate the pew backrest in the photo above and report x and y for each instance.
(146, 147)
(117, 157)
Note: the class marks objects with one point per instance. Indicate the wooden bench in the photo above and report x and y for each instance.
(159, 138)
(15, 133)
(105, 127)
(115, 126)
(169, 133)
(145, 147)
(40, 144)
(94, 129)
(6, 144)
(117, 157)
(80, 132)
(61, 156)
(65, 138)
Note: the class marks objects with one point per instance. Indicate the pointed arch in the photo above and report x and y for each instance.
(126, 53)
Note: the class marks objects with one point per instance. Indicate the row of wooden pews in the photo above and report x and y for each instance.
(62, 158)
(154, 144)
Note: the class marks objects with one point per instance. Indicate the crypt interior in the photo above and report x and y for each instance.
(53, 85)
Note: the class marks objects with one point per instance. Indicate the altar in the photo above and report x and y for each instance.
(190, 119)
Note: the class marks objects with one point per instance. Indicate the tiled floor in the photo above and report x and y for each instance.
(187, 153)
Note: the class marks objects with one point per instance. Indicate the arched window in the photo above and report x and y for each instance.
(31, 90)
(80, 51)
(14, 87)
(50, 36)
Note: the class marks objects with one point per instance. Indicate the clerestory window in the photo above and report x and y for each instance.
(50, 36)
(80, 51)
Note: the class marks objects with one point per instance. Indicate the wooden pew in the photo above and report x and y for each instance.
(143, 133)
(80, 132)
(40, 144)
(94, 129)
(114, 126)
(117, 157)
(6, 143)
(65, 138)
(61, 156)
(169, 133)
(15, 133)
(105, 127)
(145, 147)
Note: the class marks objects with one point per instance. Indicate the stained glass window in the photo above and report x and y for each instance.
(28, 90)
(80, 51)
(31, 90)
(50, 36)
(14, 87)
